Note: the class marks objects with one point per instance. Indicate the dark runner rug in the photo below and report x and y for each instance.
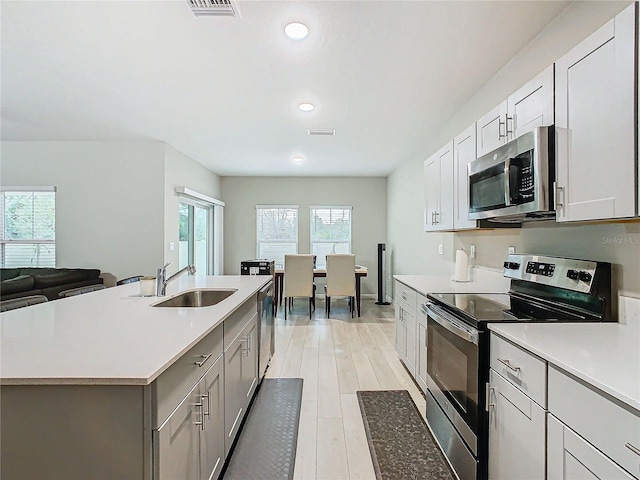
(266, 448)
(400, 443)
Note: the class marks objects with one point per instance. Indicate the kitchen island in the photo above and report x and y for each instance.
(104, 385)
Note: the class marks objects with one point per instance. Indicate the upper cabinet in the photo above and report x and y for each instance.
(529, 107)
(438, 182)
(464, 152)
(595, 116)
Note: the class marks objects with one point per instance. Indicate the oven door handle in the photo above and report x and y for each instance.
(507, 182)
(451, 323)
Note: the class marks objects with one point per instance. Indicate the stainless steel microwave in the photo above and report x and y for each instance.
(515, 181)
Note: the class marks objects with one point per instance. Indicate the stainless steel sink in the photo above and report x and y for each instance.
(197, 298)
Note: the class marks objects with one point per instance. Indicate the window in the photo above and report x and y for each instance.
(276, 232)
(330, 232)
(28, 227)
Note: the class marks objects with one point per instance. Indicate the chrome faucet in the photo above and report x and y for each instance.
(162, 281)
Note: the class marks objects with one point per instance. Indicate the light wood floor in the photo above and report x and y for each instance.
(336, 357)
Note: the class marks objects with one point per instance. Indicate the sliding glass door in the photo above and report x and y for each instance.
(196, 237)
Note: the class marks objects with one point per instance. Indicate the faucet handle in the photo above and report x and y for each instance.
(166, 265)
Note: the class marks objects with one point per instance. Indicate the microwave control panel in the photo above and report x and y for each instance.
(540, 268)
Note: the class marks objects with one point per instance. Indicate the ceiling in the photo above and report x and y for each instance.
(225, 90)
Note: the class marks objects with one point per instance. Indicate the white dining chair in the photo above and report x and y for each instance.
(341, 279)
(298, 280)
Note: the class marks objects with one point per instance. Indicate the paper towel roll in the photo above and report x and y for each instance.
(461, 272)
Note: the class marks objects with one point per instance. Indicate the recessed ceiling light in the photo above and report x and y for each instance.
(297, 160)
(296, 31)
(306, 107)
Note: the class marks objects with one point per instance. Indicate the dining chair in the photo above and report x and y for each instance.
(72, 292)
(341, 279)
(298, 280)
(21, 302)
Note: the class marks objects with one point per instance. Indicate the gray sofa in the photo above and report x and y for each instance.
(23, 282)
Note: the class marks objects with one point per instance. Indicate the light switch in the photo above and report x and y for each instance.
(472, 251)
(172, 246)
(440, 249)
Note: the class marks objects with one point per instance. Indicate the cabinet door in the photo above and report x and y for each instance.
(532, 105)
(573, 458)
(516, 433)
(464, 152)
(212, 437)
(595, 116)
(177, 442)
(421, 359)
(444, 218)
(492, 130)
(411, 337)
(431, 192)
(250, 361)
(401, 332)
(234, 404)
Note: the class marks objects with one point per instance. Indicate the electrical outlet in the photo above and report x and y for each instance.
(440, 249)
(512, 250)
(172, 246)
(472, 251)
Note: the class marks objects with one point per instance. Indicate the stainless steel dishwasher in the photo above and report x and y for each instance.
(266, 331)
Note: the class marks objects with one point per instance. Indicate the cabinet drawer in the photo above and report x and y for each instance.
(406, 295)
(525, 371)
(609, 426)
(234, 325)
(172, 386)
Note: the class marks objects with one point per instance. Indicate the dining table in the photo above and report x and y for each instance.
(317, 273)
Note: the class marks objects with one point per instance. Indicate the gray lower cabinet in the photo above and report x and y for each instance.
(190, 443)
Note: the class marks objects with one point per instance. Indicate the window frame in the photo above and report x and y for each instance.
(297, 232)
(31, 241)
(320, 262)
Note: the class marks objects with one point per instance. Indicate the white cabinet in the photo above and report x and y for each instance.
(406, 327)
(517, 430)
(190, 443)
(421, 344)
(595, 116)
(438, 182)
(464, 152)
(529, 107)
(517, 423)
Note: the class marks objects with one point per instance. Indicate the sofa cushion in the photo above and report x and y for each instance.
(21, 283)
(60, 278)
(7, 273)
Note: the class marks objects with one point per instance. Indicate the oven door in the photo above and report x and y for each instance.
(452, 370)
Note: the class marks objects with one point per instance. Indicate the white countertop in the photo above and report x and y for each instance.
(482, 281)
(605, 355)
(111, 336)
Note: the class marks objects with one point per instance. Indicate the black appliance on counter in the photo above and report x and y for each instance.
(543, 289)
(258, 266)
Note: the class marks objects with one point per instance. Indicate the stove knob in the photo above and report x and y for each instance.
(511, 265)
(584, 276)
(573, 274)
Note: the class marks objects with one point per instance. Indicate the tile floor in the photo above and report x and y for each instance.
(336, 357)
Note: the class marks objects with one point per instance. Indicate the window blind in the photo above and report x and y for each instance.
(27, 227)
(330, 232)
(276, 232)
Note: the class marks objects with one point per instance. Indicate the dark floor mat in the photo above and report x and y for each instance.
(400, 443)
(266, 448)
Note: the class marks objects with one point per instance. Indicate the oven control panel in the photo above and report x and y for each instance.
(541, 268)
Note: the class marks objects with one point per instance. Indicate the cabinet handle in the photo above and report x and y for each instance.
(201, 422)
(204, 360)
(246, 351)
(488, 390)
(635, 450)
(208, 410)
(556, 202)
(507, 363)
(502, 124)
(437, 214)
(433, 222)
(506, 125)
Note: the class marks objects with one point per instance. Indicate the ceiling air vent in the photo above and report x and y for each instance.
(322, 131)
(223, 8)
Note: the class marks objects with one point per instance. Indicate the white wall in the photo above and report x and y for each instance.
(109, 202)
(368, 196)
(415, 252)
(180, 170)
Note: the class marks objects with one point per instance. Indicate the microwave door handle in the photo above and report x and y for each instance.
(507, 182)
(447, 322)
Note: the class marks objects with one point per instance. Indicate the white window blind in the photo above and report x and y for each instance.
(276, 232)
(330, 232)
(27, 227)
